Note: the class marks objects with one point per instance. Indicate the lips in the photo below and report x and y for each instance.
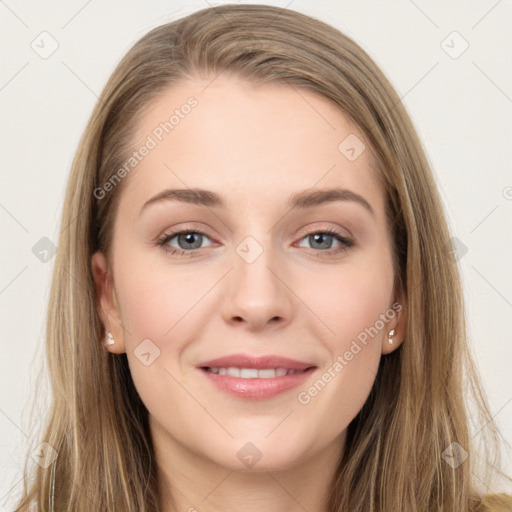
(256, 378)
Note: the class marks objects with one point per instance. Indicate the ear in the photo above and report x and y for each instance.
(398, 323)
(108, 308)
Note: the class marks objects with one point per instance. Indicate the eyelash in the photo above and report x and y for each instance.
(346, 242)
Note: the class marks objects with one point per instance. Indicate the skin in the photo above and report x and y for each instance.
(255, 145)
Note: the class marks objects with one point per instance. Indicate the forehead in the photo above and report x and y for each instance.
(249, 142)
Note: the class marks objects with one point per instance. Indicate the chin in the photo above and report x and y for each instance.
(259, 455)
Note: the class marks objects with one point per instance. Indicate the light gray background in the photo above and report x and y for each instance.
(462, 108)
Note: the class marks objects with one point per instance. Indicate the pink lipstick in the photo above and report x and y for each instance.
(256, 377)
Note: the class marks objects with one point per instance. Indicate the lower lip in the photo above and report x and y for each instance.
(257, 389)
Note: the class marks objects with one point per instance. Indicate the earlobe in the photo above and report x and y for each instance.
(391, 339)
(107, 304)
(395, 331)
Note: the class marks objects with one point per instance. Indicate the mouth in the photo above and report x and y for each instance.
(256, 378)
(254, 373)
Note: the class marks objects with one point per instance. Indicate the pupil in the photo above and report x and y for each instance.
(319, 237)
(188, 238)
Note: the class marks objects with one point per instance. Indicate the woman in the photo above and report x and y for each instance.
(256, 369)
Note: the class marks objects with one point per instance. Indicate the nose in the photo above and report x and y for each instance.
(257, 294)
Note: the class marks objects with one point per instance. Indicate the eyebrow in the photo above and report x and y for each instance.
(302, 200)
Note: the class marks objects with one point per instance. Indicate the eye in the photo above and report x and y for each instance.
(188, 241)
(323, 240)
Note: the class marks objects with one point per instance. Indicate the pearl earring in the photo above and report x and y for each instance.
(110, 339)
(391, 334)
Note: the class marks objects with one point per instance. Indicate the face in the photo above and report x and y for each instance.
(266, 265)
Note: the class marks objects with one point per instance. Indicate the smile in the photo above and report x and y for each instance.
(253, 383)
(254, 373)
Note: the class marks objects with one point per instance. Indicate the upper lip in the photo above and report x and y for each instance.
(258, 362)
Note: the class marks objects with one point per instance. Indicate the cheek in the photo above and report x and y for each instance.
(349, 300)
(154, 300)
(157, 305)
(161, 304)
(353, 304)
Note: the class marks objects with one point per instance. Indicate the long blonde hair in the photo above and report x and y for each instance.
(423, 391)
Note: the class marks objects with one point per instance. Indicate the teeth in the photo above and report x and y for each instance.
(234, 372)
(269, 373)
(247, 373)
(254, 373)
